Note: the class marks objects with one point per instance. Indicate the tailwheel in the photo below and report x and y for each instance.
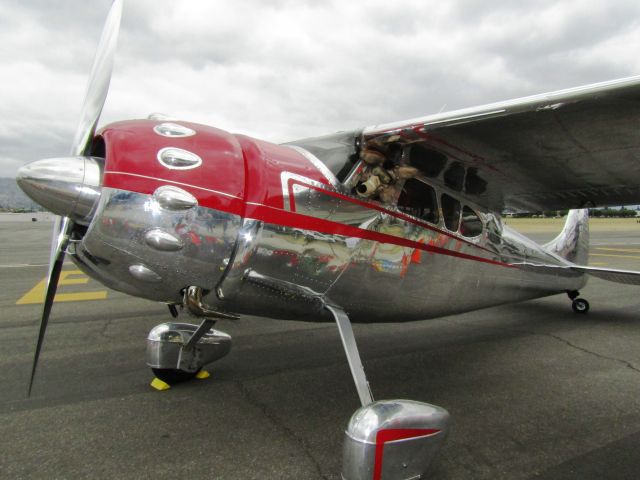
(172, 376)
(580, 305)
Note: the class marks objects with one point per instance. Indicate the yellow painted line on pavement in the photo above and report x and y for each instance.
(67, 277)
(629, 250)
(613, 255)
(597, 263)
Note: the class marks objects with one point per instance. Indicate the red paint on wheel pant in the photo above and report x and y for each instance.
(393, 434)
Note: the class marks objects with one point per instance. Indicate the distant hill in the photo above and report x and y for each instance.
(12, 198)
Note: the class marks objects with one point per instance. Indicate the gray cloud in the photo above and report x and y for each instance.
(281, 69)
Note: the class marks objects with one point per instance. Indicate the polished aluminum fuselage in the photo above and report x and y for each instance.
(384, 280)
(291, 234)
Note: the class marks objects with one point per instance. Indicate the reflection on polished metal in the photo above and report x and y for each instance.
(116, 240)
(247, 239)
(248, 260)
(193, 301)
(173, 130)
(178, 159)
(69, 186)
(144, 273)
(203, 328)
(328, 174)
(166, 342)
(163, 241)
(393, 439)
(174, 198)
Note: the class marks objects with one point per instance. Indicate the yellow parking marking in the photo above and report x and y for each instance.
(597, 263)
(612, 255)
(67, 277)
(625, 250)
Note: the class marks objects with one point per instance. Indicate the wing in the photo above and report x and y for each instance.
(568, 149)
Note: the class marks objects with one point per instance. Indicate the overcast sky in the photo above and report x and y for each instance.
(281, 70)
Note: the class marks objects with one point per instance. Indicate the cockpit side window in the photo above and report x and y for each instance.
(494, 229)
(419, 200)
(471, 225)
(336, 151)
(450, 212)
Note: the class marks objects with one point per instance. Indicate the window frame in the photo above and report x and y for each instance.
(444, 222)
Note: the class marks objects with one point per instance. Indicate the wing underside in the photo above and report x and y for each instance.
(570, 149)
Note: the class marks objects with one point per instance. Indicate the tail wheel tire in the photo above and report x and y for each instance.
(580, 305)
(173, 376)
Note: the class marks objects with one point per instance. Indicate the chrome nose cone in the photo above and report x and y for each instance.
(69, 187)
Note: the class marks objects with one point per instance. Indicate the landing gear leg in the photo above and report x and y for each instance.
(579, 305)
(372, 446)
(353, 356)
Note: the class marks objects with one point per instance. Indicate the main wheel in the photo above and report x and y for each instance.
(173, 376)
(580, 305)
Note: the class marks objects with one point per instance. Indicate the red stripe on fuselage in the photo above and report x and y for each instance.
(147, 185)
(228, 203)
(295, 220)
(373, 206)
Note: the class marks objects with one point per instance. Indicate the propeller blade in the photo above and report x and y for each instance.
(62, 231)
(94, 98)
(98, 84)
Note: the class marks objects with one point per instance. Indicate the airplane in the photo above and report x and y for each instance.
(389, 223)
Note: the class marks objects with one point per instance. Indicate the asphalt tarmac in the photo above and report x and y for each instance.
(534, 390)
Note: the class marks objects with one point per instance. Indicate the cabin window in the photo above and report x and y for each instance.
(454, 176)
(473, 184)
(450, 212)
(419, 200)
(336, 151)
(471, 225)
(429, 162)
(494, 230)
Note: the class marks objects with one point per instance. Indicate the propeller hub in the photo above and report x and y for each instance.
(69, 186)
